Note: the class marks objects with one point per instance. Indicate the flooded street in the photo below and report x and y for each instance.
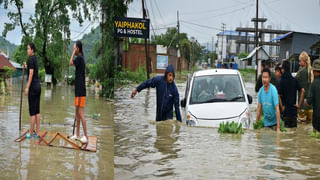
(28, 160)
(145, 149)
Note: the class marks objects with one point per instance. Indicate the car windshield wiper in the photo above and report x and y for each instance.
(236, 98)
(214, 100)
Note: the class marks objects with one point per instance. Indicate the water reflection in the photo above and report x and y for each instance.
(167, 136)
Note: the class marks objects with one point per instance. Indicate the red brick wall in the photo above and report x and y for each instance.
(135, 57)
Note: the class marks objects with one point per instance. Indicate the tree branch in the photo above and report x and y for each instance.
(20, 18)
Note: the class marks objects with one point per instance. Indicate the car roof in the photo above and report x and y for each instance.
(216, 72)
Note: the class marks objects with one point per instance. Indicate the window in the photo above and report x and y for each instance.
(216, 88)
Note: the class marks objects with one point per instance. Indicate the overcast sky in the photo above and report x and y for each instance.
(202, 19)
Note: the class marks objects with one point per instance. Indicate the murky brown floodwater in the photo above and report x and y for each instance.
(145, 149)
(27, 160)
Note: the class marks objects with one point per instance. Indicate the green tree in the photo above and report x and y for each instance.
(170, 38)
(105, 66)
(46, 27)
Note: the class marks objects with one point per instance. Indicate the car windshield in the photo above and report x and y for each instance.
(216, 88)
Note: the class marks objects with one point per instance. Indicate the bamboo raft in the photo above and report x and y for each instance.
(58, 139)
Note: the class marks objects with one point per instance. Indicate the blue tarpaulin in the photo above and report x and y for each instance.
(281, 37)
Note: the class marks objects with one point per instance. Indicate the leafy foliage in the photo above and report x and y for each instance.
(46, 28)
(190, 48)
(126, 76)
(232, 127)
(314, 134)
(105, 57)
(8, 71)
(259, 125)
(242, 55)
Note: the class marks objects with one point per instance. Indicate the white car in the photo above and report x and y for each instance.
(214, 96)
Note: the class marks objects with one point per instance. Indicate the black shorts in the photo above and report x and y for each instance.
(34, 101)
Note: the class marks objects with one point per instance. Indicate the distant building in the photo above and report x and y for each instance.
(250, 60)
(315, 50)
(265, 35)
(227, 48)
(4, 62)
(293, 43)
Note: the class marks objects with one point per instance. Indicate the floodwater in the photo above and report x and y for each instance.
(145, 149)
(28, 160)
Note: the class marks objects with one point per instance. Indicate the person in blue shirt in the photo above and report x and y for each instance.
(167, 94)
(268, 99)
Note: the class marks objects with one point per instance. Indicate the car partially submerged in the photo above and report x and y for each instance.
(214, 96)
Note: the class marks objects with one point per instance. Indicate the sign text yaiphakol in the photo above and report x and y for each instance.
(131, 27)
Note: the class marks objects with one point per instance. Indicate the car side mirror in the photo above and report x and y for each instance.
(249, 98)
(183, 102)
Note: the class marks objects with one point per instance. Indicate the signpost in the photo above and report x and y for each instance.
(131, 27)
(134, 27)
(162, 62)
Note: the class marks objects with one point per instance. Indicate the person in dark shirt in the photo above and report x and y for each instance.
(33, 90)
(167, 94)
(314, 96)
(289, 86)
(278, 74)
(80, 89)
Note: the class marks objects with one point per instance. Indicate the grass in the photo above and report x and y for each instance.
(232, 127)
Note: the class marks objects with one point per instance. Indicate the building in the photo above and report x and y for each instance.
(4, 62)
(227, 47)
(315, 50)
(293, 43)
(250, 60)
(160, 57)
(265, 35)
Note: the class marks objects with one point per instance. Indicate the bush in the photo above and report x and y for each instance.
(8, 71)
(126, 76)
(108, 89)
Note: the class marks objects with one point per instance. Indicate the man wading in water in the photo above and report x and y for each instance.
(167, 94)
(268, 100)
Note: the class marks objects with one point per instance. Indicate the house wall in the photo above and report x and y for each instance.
(303, 42)
(135, 57)
(285, 45)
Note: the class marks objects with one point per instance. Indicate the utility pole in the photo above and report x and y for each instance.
(178, 52)
(256, 23)
(144, 14)
(212, 60)
(64, 58)
(223, 27)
